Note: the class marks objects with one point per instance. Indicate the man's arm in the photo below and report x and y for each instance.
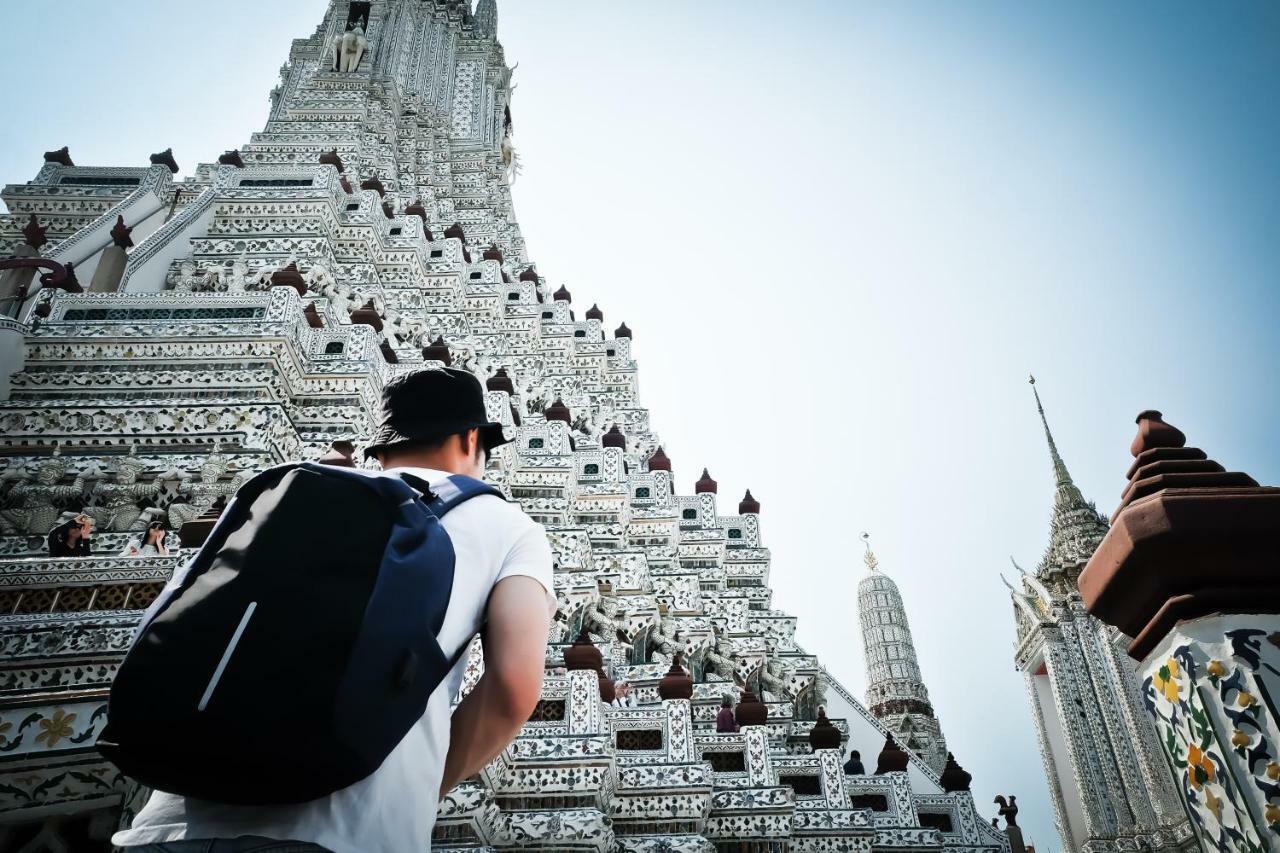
(515, 648)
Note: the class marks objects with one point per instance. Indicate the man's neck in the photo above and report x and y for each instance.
(431, 461)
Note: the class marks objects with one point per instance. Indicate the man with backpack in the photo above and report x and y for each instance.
(435, 437)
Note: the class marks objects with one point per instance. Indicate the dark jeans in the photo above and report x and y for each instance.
(243, 844)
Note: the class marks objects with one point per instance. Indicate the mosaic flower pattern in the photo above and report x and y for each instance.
(1209, 692)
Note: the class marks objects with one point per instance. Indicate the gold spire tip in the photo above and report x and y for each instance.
(869, 557)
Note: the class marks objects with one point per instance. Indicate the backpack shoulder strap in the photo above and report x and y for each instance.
(444, 496)
(456, 490)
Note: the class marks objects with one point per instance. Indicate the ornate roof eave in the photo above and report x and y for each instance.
(1029, 601)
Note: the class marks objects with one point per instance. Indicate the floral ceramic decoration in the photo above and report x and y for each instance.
(1218, 730)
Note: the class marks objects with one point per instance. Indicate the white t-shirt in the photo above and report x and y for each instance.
(393, 810)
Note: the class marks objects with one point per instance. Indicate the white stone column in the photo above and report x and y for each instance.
(114, 259)
(679, 729)
(12, 353)
(106, 278)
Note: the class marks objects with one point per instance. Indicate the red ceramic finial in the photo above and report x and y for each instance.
(705, 484)
(1154, 432)
(622, 332)
(500, 381)
(290, 277)
(120, 234)
(824, 735)
(493, 253)
(893, 759)
(62, 157)
(607, 691)
(69, 284)
(33, 233)
(677, 684)
(583, 654)
(368, 316)
(165, 158)
(614, 438)
(562, 295)
(954, 778)
(437, 350)
(529, 274)
(750, 711)
(558, 411)
(331, 158)
(455, 232)
(659, 461)
(314, 320)
(594, 313)
(748, 505)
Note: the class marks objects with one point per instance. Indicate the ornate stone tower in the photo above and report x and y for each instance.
(1106, 776)
(895, 689)
(250, 314)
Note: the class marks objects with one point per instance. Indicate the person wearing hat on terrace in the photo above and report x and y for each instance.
(71, 537)
(433, 425)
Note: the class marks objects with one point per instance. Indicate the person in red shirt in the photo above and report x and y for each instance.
(725, 721)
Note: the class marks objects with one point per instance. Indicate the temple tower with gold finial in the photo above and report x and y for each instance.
(895, 689)
(1101, 758)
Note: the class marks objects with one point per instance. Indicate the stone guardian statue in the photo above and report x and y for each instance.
(118, 509)
(349, 49)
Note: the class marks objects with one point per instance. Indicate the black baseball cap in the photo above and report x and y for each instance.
(432, 404)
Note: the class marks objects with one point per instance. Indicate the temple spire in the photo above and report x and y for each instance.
(1067, 493)
(487, 17)
(1075, 528)
(896, 693)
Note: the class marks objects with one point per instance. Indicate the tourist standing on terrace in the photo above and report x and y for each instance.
(726, 722)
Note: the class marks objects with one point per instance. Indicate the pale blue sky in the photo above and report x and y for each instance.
(843, 232)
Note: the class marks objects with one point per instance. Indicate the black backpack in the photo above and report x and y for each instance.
(298, 647)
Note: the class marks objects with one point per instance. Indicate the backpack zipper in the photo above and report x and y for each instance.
(226, 656)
